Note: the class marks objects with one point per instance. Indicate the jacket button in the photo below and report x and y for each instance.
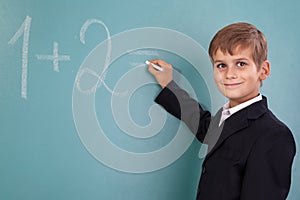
(203, 170)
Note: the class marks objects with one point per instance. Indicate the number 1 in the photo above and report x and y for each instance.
(25, 27)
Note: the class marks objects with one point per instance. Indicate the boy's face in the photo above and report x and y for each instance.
(237, 76)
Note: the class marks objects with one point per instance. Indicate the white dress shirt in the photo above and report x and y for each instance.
(227, 112)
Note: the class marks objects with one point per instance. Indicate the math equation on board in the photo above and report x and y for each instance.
(23, 33)
(134, 42)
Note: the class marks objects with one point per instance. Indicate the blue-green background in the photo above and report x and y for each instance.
(41, 155)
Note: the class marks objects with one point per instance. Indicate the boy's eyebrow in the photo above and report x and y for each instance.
(242, 58)
(216, 61)
(239, 58)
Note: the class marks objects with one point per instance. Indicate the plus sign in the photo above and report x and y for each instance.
(55, 57)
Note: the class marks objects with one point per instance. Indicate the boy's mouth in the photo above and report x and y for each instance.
(231, 85)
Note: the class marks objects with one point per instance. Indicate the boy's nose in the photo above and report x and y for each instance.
(231, 73)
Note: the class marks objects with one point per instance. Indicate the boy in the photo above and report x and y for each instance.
(250, 152)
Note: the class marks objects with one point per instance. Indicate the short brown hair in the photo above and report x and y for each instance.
(240, 35)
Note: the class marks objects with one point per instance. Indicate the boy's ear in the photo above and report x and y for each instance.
(265, 70)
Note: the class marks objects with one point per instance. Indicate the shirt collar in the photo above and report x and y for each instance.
(239, 107)
(227, 112)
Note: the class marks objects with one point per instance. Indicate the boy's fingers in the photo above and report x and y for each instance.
(162, 77)
(161, 63)
(151, 69)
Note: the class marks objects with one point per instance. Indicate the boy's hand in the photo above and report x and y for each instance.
(162, 77)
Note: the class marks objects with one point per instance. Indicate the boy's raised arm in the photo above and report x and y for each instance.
(177, 102)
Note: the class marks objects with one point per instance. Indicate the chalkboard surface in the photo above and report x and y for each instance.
(77, 116)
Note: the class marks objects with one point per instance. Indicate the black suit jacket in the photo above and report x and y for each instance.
(249, 156)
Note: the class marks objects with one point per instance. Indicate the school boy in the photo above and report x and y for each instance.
(250, 151)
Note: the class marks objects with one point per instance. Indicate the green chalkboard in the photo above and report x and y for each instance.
(77, 112)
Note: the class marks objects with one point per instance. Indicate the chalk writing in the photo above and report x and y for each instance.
(25, 28)
(101, 77)
(55, 57)
(145, 52)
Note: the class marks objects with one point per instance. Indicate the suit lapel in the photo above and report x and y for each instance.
(217, 135)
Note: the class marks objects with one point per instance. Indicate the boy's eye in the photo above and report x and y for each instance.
(241, 64)
(221, 66)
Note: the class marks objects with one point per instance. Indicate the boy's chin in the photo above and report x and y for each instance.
(232, 95)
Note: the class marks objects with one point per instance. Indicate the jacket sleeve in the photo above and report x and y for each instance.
(268, 169)
(178, 102)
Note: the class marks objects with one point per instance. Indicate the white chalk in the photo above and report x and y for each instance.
(55, 57)
(154, 65)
